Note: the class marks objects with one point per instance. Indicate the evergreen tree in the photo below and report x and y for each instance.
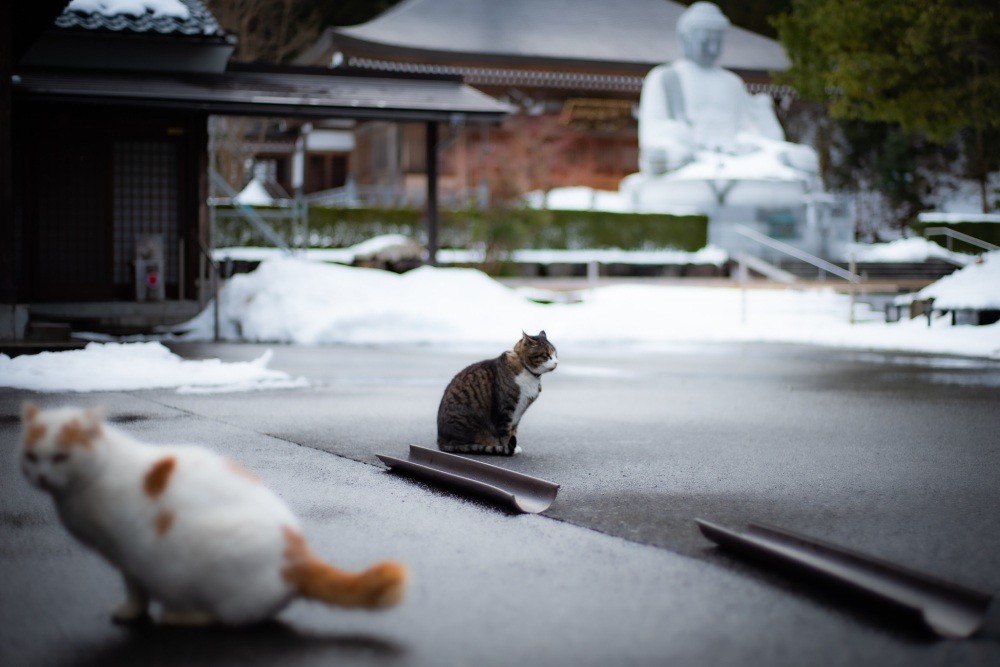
(932, 67)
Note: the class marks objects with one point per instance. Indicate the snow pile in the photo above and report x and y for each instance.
(296, 301)
(128, 366)
(915, 249)
(975, 286)
(172, 8)
(956, 217)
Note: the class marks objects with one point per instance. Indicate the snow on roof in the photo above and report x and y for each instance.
(915, 249)
(172, 8)
(186, 17)
(976, 286)
(936, 216)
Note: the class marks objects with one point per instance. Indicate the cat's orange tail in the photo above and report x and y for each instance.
(378, 587)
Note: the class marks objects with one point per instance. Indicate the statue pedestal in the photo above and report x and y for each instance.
(755, 190)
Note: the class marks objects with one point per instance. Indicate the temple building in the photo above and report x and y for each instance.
(107, 113)
(573, 68)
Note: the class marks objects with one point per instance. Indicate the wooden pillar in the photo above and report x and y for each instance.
(432, 193)
(7, 244)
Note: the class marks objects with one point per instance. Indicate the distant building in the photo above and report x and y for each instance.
(97, 171)
(574, 68)
(104, 150)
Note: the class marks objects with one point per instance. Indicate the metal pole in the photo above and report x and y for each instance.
(853, 269)
(180, 270)
(215, 306)
(8, 275)
(432, 193)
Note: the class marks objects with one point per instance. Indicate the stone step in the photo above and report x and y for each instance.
(930, 270)
(48, 332)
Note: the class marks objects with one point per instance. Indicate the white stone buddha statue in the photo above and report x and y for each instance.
(692, 110)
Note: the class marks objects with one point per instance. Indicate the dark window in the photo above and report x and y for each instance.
(145, 201)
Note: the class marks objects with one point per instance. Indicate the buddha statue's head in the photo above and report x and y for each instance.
(700, 29)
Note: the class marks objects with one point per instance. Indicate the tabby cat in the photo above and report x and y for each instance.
(186, 527)
(484, 403)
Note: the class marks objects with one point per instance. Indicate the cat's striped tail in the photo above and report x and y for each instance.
(378, 587)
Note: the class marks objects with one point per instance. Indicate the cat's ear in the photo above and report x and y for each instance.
(29, 411)
(525, 336)
(541, 335)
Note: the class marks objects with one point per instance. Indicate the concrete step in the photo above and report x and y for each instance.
(114, 317)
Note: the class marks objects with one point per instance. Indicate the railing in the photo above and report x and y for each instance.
(248, 213)
(850, 276)
(952, 234)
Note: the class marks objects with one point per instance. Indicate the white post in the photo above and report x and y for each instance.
(592, 273)
(854, 270)
(741, 273)
(298, 185)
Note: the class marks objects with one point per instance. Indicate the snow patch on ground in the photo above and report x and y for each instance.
(130, 366)
(292, 300)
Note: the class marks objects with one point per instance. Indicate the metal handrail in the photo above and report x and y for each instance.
(952, 234)
(819, 263)
(252, 216)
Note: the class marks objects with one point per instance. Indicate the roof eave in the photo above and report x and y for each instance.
(214, 94)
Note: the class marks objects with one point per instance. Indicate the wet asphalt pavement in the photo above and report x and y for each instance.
(897, 456)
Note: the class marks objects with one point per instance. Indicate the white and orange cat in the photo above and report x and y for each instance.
(187, 528)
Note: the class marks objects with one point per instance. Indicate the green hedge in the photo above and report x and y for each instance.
(628, 231)
(497, 229)
(984, 231)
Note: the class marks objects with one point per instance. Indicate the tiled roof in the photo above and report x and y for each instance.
(199, 22)
(496, 76)
(628, 33)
